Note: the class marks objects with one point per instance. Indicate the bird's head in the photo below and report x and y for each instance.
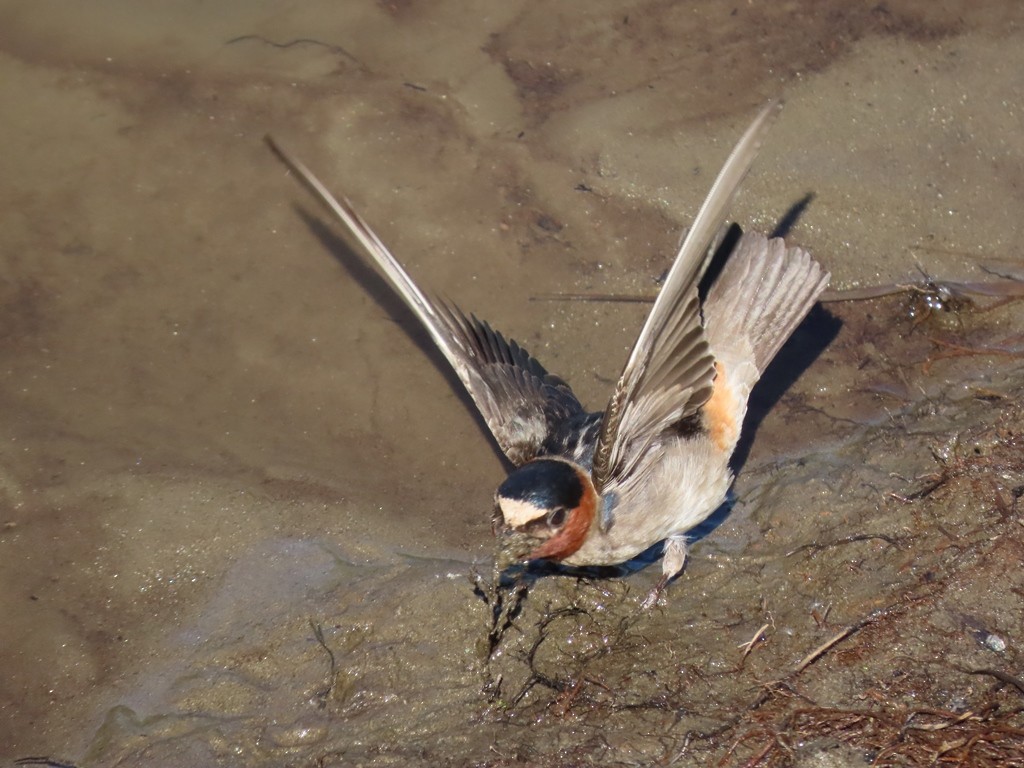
(544, 509)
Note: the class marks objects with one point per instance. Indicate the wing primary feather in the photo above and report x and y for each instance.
(421, 306)
(520, 401)
(665, 329)
(692, 256)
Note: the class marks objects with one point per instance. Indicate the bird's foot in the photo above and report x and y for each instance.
(672, 562)
(656, 594)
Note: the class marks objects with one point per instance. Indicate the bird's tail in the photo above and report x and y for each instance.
(763, 293)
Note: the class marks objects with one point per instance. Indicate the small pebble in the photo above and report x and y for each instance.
(995, 643)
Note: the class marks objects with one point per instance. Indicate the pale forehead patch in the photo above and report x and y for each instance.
(518, 513)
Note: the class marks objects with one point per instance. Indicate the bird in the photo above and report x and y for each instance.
(599, 488)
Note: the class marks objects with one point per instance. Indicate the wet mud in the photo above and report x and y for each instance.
(244, 515)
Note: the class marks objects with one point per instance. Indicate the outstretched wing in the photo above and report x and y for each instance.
(520, 401)
(670, 372)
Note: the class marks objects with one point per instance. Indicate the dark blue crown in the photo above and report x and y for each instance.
(545, 484)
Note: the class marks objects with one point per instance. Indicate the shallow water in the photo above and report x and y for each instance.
(223, 438)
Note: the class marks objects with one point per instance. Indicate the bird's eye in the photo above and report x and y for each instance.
(556, 517)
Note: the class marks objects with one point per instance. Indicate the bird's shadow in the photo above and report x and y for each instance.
(808, 341)
(789, 219)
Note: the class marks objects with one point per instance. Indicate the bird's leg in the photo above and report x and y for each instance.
(672, 562)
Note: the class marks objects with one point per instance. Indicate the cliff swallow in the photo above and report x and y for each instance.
(600, 488)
